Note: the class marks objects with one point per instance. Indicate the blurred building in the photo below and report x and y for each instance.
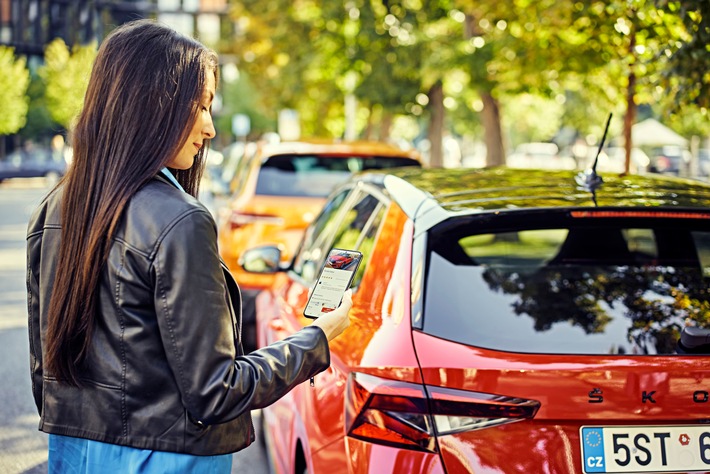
(29, 25)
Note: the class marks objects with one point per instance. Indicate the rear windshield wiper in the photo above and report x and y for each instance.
(694, 340)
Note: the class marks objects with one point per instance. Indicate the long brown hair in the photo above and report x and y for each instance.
(140, 105)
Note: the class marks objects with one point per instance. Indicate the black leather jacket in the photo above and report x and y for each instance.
(165, 370)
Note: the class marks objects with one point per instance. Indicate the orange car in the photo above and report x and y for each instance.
(278, 191)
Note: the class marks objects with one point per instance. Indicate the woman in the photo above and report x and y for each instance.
(134, 322)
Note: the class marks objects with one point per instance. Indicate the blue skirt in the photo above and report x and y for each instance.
(68, 455)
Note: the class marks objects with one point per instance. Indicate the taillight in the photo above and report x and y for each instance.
(400, 414)
(239, 219)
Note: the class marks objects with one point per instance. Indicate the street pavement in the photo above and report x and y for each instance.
(23, 449)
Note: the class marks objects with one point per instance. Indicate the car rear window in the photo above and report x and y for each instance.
(598, 286)
(317, 175)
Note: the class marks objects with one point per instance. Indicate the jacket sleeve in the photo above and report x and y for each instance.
(33, 325)
(199, 337)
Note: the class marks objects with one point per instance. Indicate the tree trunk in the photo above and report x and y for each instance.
(490, 115)
(495, 152)
(367, 133)
(694, 165)
(630, 117)
(436, 125)
(629, 120)
(386, 125)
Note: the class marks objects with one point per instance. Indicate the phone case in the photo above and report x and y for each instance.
(328, 264)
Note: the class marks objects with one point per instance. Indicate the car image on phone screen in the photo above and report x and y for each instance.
(334, 279)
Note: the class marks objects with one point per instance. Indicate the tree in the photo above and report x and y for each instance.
(66, 75)
(403, 52)
(605, 54)
(384, 58)
(39, 123)
(14, 80)
(309, 55)
(470, 58)
(520, 48)
(241, 97)
(292, 50)
(687, 76)
(612, 58)
(536, 118)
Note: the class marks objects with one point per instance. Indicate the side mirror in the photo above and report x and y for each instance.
(265, 259)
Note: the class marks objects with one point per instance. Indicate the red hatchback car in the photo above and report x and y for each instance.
(339, 261)
(504, 321)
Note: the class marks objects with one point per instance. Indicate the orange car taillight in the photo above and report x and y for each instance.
(400, 414)
(239, 219)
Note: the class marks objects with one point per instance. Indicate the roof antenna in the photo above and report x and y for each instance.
(589, 180)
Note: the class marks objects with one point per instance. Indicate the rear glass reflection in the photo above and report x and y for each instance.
(574, 290)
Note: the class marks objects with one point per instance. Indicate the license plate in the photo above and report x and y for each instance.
(645, 448)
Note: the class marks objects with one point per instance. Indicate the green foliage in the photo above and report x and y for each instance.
(401, 49)
(292, 49)
(66, 75)
(463, 113)
(692, 120)
(687, 77)
(586, 109)
(532, 118)
(39, 122)
(14, 80)
(307, 54)
(240, 96)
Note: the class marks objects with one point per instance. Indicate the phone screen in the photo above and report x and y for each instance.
(335, 277)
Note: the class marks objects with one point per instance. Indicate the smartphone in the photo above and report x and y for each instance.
(335, 278)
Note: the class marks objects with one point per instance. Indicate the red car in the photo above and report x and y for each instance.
(504, 321)
(340, 260)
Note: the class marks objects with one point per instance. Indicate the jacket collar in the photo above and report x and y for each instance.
(165, 173)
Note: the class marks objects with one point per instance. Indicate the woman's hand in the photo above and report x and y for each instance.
(338, 320)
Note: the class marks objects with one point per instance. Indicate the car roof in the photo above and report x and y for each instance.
(430, 195)
(335, 148)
